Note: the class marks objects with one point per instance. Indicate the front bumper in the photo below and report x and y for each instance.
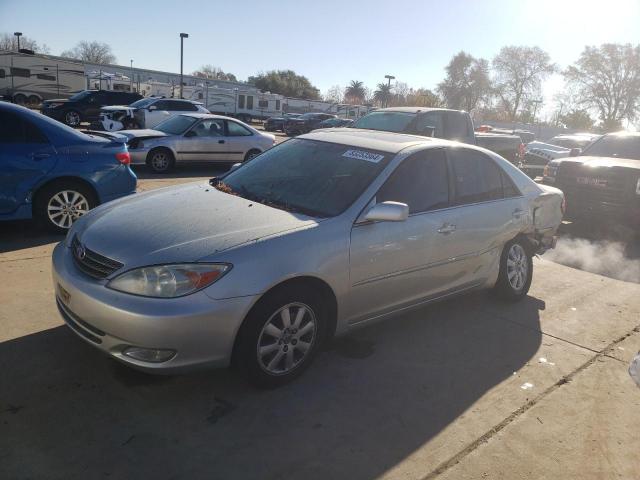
(199, 329)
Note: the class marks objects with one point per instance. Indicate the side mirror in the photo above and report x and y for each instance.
(234, 167)
(387, 212)
(190, 133)
(575, 152)
(152, 108)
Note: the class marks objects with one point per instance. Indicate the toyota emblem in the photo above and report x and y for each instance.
(80, 252)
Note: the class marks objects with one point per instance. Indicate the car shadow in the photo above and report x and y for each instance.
(369, 401)
(22, 234)
(194, 169)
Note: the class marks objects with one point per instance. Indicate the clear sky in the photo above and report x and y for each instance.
(329, 41)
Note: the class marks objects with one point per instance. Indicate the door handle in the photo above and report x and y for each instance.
(39, 156)
(447, 228)
(220, 141)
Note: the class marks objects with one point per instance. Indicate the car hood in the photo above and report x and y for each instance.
(181, 224)
(605, 162)
(146, 133)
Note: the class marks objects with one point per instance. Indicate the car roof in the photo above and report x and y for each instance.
(206, 115)
(373, 139)
(623, 133)
(414, 109)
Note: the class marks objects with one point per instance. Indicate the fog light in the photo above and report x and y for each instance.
(152, 355)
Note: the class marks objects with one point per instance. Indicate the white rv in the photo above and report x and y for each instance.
(245, 103)
(29, 79)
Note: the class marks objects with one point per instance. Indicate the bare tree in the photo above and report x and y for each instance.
(93, 52)
(214, 73)
(467, 82)
(519, 72)
(334, 94)
(10, 42)
(607, 80)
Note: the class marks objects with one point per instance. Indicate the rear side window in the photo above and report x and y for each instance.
(179, 106)
(457, 126)
(476, 177)
(18, 130)
(421, 181)
(428, 121)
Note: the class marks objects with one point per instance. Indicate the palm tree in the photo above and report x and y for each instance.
(355, 91)
(382, 93)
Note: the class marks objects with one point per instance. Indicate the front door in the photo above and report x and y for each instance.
(205, 141)
(396, 264)
(25, 157)
(239, 141)
(157, 113)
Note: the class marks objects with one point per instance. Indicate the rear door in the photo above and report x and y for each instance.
(487, 211)
(26, 156)
(205, 141)
(239, 140)
(395, 264)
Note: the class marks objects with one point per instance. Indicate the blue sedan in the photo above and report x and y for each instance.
(55, 174)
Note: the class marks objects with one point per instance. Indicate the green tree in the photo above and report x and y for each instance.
(519, 72)
(467, 82)
(607, 80)
(214, 73)
(285, 82)
(355, 92)
(382, 93)
(93, 52)
(577, 119)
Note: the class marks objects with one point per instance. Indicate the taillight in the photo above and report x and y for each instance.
(521, 150)
(123, 157)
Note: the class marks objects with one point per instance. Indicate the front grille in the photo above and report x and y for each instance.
(77, 324)
(92, 263)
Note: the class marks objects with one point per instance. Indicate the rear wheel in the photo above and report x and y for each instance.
(34, 100)
(20, 99)
(72, 118)
(58, 205)
(160, 160)
(280, 336)
(516, 271)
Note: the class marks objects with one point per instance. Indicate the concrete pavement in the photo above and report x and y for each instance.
(470, 388)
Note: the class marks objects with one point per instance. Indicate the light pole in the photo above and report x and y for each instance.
(18, 35)
(182, 37)
(131, 79)
(389, 78)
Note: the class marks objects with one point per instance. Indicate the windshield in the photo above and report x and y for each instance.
(176, 125)
(143, 103)
(307, 116)
(619, 146)
(81, 95)
(318, 179)
(386, 121)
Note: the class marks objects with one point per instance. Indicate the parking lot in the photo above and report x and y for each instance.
(469, 388)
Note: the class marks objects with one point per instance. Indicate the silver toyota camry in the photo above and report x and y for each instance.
(196, 137)
(313, 238)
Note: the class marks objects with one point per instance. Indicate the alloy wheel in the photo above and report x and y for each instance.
(160, 161)
(517, 266)
(72, 119)
(287, 338)
(66, 207)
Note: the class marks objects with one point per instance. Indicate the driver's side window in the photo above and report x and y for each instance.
(209, 128)
(421, 181)
(430, 122)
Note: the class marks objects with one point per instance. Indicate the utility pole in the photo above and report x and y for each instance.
(389, 78)
(182, 37)
(131, 79)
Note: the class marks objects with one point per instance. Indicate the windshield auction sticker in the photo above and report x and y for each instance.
(363, 155)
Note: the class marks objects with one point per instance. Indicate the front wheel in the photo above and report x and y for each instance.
(160, 160)
(251, 154)
(59, 205)
(516, 271)
(280, 336)
(72, 118)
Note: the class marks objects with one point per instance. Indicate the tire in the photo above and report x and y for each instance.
(161, 160)
(58, 205)
(72, 118)
(254, 152)
(129, 124)
(516, 271)
(264, 329)
(34, 100)
(20, 99)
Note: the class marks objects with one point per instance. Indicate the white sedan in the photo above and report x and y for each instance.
(196, 137)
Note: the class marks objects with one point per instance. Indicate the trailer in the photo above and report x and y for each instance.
(28, 79)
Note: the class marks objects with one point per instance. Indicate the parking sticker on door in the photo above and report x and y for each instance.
(363, 155)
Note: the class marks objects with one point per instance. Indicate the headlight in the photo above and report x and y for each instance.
(169, 281)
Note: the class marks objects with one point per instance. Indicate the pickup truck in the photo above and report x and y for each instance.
(441, 123)
(601, 183)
